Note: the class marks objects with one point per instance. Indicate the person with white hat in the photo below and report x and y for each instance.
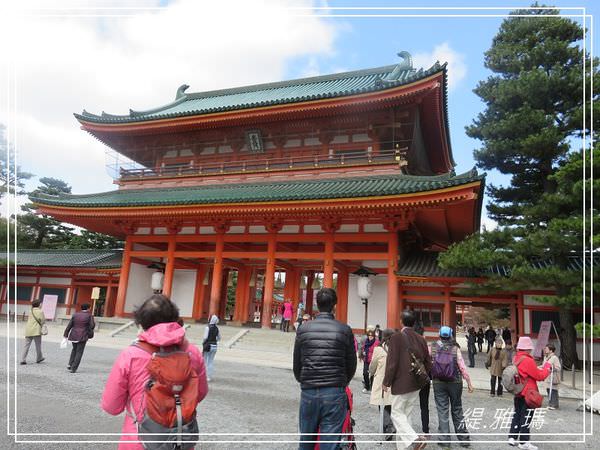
(529, 375)
(447, 372)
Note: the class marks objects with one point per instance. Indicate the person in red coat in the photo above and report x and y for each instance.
(531, 374)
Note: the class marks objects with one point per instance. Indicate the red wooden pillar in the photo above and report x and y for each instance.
(308, 307)
(124, 278)
(447, 319)
(269, 275)
(199, 292)
(393, 310)
(169, 268)
(328, 261)
(342, 294)
(513, 317)
(108, 298)
(217, 274)
(521, 315)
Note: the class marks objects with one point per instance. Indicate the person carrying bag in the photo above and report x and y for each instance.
(34, 330)
(78, 331)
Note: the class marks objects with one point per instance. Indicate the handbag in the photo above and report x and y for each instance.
(417, 369)
(44, 328)
(206, 346)
(533, 399)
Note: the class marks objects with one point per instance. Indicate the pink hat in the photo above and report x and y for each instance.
(525, 343)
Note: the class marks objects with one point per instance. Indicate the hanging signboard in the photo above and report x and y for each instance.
(542, 339)
(49, 306)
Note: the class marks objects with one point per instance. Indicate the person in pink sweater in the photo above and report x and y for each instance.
(528, 371)
(158, 317)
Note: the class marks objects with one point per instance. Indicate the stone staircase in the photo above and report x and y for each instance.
(259, 340)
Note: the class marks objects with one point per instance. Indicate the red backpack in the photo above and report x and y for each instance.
(171, 395)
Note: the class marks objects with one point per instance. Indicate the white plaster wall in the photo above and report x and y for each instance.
(377, 312)
(50, 280)
(348, 228)
(182, 294)
(160, 230)
(143, 230)
(238, 229)
(313, 229)
(21, 279)
(138, 287)
(138, 246)
(257, 229)
(374, 228)
(526, 318)
(188, 230)
(290, 229)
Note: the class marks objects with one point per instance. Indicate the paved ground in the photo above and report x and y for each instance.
(244, 399)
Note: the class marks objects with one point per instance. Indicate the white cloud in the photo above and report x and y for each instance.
(66, 64)
(488, 224)
(457, 69)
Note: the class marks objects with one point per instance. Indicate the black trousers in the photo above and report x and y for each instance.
(366, 376)
(471, 357)
(480, 345)
(519, 429)
(424, 403)
(493, 389)
(76, 355)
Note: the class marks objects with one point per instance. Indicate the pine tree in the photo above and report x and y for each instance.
(533, 116)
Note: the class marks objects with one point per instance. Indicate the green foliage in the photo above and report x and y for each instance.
(533, 116)
(45, 231)
(590, 331)
(11, 178)
(533, 106)
(91, 239)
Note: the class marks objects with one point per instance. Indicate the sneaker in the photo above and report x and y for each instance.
(41, 360)
(551, 407)
(364, 391)
(527, 446)
(22, 363)
(512, 442)
(492, 395)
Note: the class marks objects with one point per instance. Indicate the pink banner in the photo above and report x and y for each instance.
(542, 339)
(49, 306)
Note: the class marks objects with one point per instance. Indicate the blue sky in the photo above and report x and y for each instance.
(64, 65)
(369, 42)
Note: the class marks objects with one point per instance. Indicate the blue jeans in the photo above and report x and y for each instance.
(209, 358)
(448, 396)
(322, 410)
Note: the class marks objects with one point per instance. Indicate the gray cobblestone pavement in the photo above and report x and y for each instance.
(243, 399)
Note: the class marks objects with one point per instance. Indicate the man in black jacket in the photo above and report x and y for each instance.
(324, 364)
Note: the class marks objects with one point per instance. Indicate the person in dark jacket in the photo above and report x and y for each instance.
(404, 384)
(78, 331)
(480, 337)
(490, 337)
(324, 364)
(471, 350)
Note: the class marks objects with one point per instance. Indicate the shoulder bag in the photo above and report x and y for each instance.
(417, 368)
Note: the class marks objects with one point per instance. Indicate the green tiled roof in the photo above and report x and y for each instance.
(284, 92)
(263, 192)
(425, 264)
(99, 259)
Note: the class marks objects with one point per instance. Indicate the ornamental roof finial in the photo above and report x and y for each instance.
(407, 63)
(181, 91)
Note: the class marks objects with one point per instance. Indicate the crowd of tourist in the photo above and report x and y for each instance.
(159, 380)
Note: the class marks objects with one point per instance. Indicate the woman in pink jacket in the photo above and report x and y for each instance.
(125, 385)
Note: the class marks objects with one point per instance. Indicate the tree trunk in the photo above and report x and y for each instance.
(568, 338)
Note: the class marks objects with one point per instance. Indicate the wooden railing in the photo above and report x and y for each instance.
(354, 158)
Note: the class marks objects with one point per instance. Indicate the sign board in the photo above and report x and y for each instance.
(542, 339)
(49, 306)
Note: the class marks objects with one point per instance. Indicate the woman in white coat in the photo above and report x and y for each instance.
(378, 396)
